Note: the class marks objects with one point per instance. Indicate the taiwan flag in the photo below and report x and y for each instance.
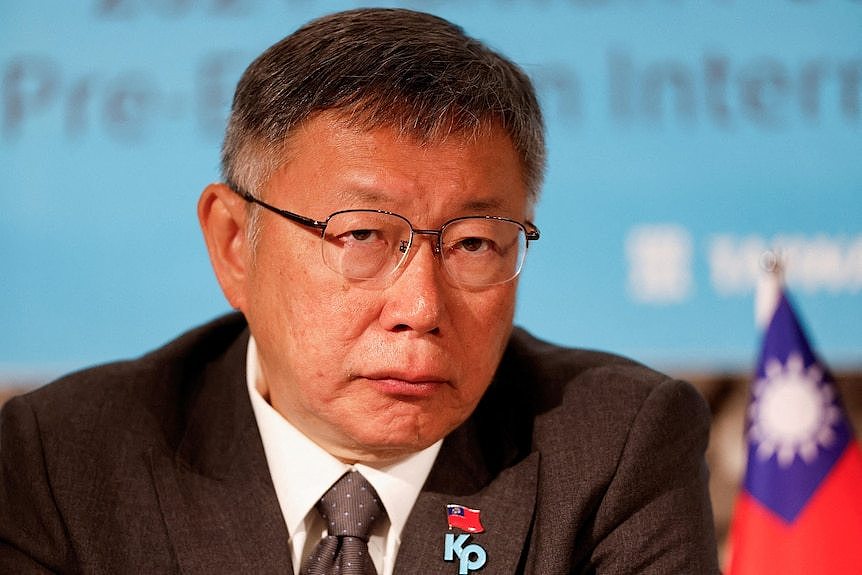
(464, 518)
(800, 507)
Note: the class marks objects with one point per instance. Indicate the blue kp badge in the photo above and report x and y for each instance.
(470, 557)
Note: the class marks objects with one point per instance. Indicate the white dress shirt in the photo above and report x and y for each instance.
(302, 471)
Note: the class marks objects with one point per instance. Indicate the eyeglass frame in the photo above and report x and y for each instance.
(531, 233)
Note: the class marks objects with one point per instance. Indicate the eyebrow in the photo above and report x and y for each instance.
(352, 195)
(483, 205)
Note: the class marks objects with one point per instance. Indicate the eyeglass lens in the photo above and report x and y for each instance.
(475, 251)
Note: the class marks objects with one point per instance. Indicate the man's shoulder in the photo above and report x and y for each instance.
(156, 382)
(558, 368)
(592, 393)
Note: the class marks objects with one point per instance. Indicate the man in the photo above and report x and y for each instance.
(381, 170)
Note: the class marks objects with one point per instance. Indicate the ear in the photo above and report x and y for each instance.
(222, 216)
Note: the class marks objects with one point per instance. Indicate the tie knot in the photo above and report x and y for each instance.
(350, 507)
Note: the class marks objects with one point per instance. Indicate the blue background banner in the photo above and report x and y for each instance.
(685, 139)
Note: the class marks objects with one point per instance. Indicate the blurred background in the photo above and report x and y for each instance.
(685, 137)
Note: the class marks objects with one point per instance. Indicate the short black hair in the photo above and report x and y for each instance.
(412, 71)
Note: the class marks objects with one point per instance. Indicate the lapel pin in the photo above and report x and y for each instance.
(470, 557)
(464, 518)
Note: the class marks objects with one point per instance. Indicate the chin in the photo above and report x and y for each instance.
(393, 445)
(396, 430)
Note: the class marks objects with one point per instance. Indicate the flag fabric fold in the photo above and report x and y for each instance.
(800, 506)
(464, 518)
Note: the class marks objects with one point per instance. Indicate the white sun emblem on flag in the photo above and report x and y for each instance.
(791, 414)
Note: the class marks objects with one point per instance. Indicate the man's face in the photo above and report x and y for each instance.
(377, 369)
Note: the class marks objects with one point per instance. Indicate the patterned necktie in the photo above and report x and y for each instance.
(350, 508)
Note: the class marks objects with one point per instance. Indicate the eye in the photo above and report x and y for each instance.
(473, 244)
(361, 235)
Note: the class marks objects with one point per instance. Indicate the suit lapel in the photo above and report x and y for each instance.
(460, 475)
(215, 492)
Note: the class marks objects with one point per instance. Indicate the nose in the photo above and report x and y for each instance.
(415, 298)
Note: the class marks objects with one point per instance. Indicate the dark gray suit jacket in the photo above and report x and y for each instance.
(580, 462)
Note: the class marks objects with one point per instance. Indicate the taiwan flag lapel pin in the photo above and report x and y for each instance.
(464, 518)
(458, 549)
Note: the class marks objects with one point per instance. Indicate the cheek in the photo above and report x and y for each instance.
(311, 315)
(485, 317)
(483, 322)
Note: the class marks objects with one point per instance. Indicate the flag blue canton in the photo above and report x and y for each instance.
(785, 467)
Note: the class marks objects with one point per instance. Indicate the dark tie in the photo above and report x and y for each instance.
(350, 508)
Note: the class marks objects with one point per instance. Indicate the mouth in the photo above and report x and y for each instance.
(406, 385)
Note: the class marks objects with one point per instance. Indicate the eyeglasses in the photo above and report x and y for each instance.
(475, 251)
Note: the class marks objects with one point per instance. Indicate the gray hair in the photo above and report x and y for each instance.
(411, 71)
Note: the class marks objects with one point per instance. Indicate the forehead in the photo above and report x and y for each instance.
(329, 163)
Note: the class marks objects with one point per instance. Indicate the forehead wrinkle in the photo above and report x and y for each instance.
(377, 198)
(357, 195)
